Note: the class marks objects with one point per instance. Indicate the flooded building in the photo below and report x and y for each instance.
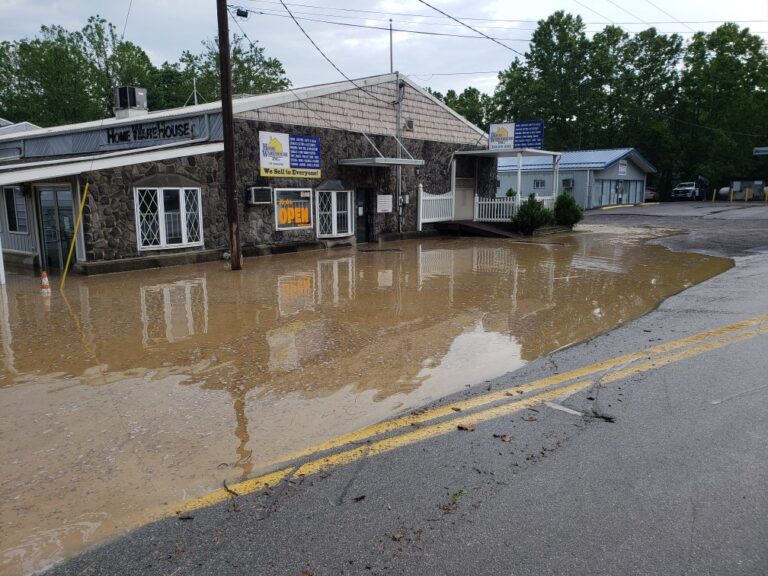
(594, 177)
(335, 163)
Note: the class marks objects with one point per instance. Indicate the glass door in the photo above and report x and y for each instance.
(57, 218)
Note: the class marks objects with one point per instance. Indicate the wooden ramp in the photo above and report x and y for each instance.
(472, 228)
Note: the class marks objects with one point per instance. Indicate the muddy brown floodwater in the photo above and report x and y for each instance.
(142, 390)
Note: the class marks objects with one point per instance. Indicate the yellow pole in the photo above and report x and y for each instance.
(74, 236)
(714, 193)
(730, 198)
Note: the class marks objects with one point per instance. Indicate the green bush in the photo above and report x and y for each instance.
(531, 215)
(567, 212)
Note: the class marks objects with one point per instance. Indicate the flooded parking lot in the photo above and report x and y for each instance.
(139, 391)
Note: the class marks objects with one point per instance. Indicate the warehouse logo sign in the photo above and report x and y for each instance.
(273, 150)
(289, 155)
(501, 136)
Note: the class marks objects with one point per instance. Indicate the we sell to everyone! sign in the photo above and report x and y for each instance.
(289, 155)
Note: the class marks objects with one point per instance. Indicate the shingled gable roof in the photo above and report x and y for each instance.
(245, 104)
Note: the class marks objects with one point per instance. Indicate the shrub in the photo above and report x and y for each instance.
(567, 212)
(511, 193)
(531, 215)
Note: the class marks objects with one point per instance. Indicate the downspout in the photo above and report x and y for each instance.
(588, 199)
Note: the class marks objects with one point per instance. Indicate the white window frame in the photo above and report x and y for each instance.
(276, 206)
(539, 184)
(16, 191)
(334, 220)
(160, 199)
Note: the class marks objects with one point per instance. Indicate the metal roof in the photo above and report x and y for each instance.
(244, 104)
(56, 169)
(524, 152)
(375, 161)
(581, 160)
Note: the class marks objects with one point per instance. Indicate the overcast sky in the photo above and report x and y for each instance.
(163, 28)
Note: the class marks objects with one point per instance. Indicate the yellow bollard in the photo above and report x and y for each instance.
(730, 198)
(714, 193)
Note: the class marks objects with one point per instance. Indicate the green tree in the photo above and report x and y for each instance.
(49, 80)
(723, 112)
(252, 71)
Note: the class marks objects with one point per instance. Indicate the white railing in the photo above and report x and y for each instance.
(494, 209)
(435, 207)
(547, 201)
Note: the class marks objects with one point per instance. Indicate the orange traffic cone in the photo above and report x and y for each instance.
(45, 287)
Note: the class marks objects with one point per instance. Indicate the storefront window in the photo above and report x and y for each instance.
(16, 210)
(293, 208)
(168, 217)
(334, 208)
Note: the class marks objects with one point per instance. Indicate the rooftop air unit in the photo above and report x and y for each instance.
(130, 101)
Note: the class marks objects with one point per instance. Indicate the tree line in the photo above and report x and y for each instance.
(62, 76)
(695, 108)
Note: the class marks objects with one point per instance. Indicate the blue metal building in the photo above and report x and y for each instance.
(594, 177)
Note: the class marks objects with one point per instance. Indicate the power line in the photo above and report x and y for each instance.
(384, 28)
(470, 27)
(125, 23)
(595, 12)
(511, 20)
(670, 15)
(628, 12)
(331, 62)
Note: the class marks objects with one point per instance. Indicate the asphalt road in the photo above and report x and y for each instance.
(663, 469)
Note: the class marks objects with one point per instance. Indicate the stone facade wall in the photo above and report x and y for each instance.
(109, 217)
(109, 221)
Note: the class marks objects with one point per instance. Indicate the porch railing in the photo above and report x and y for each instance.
(494, 209)
(435, 207)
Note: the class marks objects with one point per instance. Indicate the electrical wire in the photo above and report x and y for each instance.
(628, 12)
(511, 20)
(470, 27)
(670, 15)
(125, 23)
(384, 28)
(327, 58)
(321, 17)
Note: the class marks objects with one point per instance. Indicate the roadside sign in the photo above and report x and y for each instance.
(761, 151)
(512, 135)
(529, 134)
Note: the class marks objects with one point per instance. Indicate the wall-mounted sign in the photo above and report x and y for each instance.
(289, 155)
(293, 208)
(511, 135)
(529, 134)
(151, 132)
(622, 167)
(384, 203)
(501, 136)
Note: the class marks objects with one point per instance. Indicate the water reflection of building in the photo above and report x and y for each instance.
(174, 311)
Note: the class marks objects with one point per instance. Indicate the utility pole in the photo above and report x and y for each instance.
(229, 136)
(391, 61)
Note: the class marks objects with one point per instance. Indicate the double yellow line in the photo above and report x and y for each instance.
(424, 424)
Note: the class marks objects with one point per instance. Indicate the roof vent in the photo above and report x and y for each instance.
(130, 101)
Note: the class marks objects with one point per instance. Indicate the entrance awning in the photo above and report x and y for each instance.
(18, 173)
(506, 153)
(518, 153)
(380, 161)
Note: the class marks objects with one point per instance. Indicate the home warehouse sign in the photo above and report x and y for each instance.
(289, 155)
